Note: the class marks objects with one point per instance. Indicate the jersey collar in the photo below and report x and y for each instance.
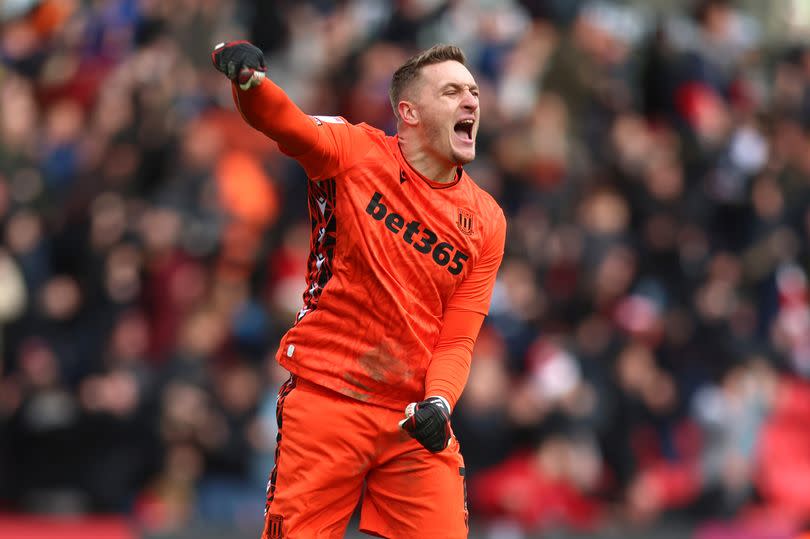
(410, 171)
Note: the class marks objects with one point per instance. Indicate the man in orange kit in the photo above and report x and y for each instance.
(404, 252)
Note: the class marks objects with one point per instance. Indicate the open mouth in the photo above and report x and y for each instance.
(464, 129)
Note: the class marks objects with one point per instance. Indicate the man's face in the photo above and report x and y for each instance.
(447, 100)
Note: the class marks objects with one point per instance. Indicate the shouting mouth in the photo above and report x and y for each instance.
(464, 130)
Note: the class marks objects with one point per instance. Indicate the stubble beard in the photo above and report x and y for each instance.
(439, 143)
(460, 159)
(438, 137)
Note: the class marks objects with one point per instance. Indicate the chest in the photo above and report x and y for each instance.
(419, 233)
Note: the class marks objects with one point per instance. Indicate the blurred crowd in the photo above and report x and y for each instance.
(647, 352)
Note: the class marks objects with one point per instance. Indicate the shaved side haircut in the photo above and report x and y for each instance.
(409, 71)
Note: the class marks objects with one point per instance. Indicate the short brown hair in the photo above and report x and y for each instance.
(407, 72)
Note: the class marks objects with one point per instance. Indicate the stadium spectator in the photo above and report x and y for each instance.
(646, 354)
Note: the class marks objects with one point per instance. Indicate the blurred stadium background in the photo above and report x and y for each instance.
(644, 368)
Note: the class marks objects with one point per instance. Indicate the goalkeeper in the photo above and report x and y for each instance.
(404, 251)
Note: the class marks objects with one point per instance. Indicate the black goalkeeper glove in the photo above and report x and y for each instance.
(429, 423)
(240, 61)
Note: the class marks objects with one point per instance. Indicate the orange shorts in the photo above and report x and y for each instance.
(333, 450)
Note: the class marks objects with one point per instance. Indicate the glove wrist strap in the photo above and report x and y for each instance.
(444, 402)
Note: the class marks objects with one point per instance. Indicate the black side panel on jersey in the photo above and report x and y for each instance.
(322, 242)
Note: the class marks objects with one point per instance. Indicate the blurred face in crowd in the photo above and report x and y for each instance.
(445, 111)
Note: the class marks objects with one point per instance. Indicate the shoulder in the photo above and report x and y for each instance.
(361, 129)
(481, 208)
(377, 137)
(372, 131)
(484, 202)
(339, 122)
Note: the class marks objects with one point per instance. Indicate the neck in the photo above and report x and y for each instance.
(424, 162)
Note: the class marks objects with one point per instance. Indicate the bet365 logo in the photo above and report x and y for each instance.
(423, 239)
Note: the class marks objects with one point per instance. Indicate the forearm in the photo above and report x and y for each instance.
(270, 110)
(450, 366)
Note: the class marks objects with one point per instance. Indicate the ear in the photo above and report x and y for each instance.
(408, 113)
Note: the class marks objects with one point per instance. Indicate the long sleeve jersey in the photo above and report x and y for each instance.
(401, 268)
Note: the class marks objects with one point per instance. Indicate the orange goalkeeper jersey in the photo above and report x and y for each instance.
(390, 251)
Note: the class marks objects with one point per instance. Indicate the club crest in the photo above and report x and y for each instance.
(465, 221)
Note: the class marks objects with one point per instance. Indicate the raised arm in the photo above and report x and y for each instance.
(261, 102)
(324, 147)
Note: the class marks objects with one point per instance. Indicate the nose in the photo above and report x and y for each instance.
(470, 101)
